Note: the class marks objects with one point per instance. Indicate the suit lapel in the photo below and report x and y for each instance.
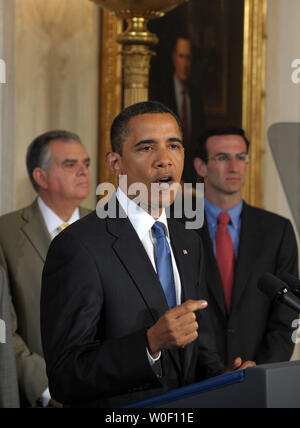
(35, 230)
(172, 98)
(83, 212)
(213, 279)
(134, 258)
(249, 237)
(183, 251)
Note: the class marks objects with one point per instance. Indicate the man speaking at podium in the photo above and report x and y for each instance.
(123, 299)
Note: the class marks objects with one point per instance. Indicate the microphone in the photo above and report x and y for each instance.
(276, 289)
(292, 282)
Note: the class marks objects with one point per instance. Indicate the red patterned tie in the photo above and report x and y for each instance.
(225, 257)
(185, 120)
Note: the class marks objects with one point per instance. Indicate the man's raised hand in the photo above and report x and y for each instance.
(176, 328)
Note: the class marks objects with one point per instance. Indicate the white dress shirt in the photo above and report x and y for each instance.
(53, 222)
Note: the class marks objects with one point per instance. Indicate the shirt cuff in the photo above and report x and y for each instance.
(46, 397)
(152, 360)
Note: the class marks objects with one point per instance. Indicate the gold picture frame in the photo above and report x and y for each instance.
(110, 86)
(254, 64)
(254, 79)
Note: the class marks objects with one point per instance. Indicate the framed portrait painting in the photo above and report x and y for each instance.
(214, 31)
(219, 47)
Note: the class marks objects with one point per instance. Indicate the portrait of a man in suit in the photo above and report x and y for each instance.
(58, 167)
(241, 243)
(124, 297)
(178, 93)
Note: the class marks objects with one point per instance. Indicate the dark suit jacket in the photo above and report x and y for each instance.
(256, 329)
(100, 294)
(166, 95)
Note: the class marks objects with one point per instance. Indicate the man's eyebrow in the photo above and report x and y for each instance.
(171, 140)
(68, 160)
(226, 153)
(143, 142)
(176, 140)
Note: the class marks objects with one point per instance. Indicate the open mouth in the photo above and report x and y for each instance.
(164, 182)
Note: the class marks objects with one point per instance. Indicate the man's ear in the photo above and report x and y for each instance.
(40, 177)
(114, 163)
(200, 167)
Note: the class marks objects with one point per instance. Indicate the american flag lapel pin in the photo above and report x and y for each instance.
(185, 252)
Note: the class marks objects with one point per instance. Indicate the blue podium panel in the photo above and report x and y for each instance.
(190, 391)
(265, 386)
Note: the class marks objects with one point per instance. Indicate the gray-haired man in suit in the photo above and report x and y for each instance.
(58, 167)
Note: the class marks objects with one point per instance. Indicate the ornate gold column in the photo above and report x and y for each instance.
(137, 41)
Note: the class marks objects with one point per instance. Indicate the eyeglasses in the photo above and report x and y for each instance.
(227, 157)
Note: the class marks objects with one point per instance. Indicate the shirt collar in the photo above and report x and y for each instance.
(212, 212)
(179, 88)
(177, 85)
(52, 220)
(139, 218)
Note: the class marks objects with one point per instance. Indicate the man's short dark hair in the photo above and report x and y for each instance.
(120, 126)
(38, 153)
(201, 151)
(183, 36)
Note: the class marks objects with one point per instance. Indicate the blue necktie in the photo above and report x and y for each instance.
(164, 264)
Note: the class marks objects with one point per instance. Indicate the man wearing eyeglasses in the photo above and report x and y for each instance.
(241, 243)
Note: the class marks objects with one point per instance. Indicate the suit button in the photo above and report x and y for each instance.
(230, 331)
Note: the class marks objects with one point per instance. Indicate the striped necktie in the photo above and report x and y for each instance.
(62, 227)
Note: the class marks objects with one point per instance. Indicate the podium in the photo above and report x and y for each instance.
(266, 386)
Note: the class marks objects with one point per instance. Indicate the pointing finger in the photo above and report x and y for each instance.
(189, 306)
